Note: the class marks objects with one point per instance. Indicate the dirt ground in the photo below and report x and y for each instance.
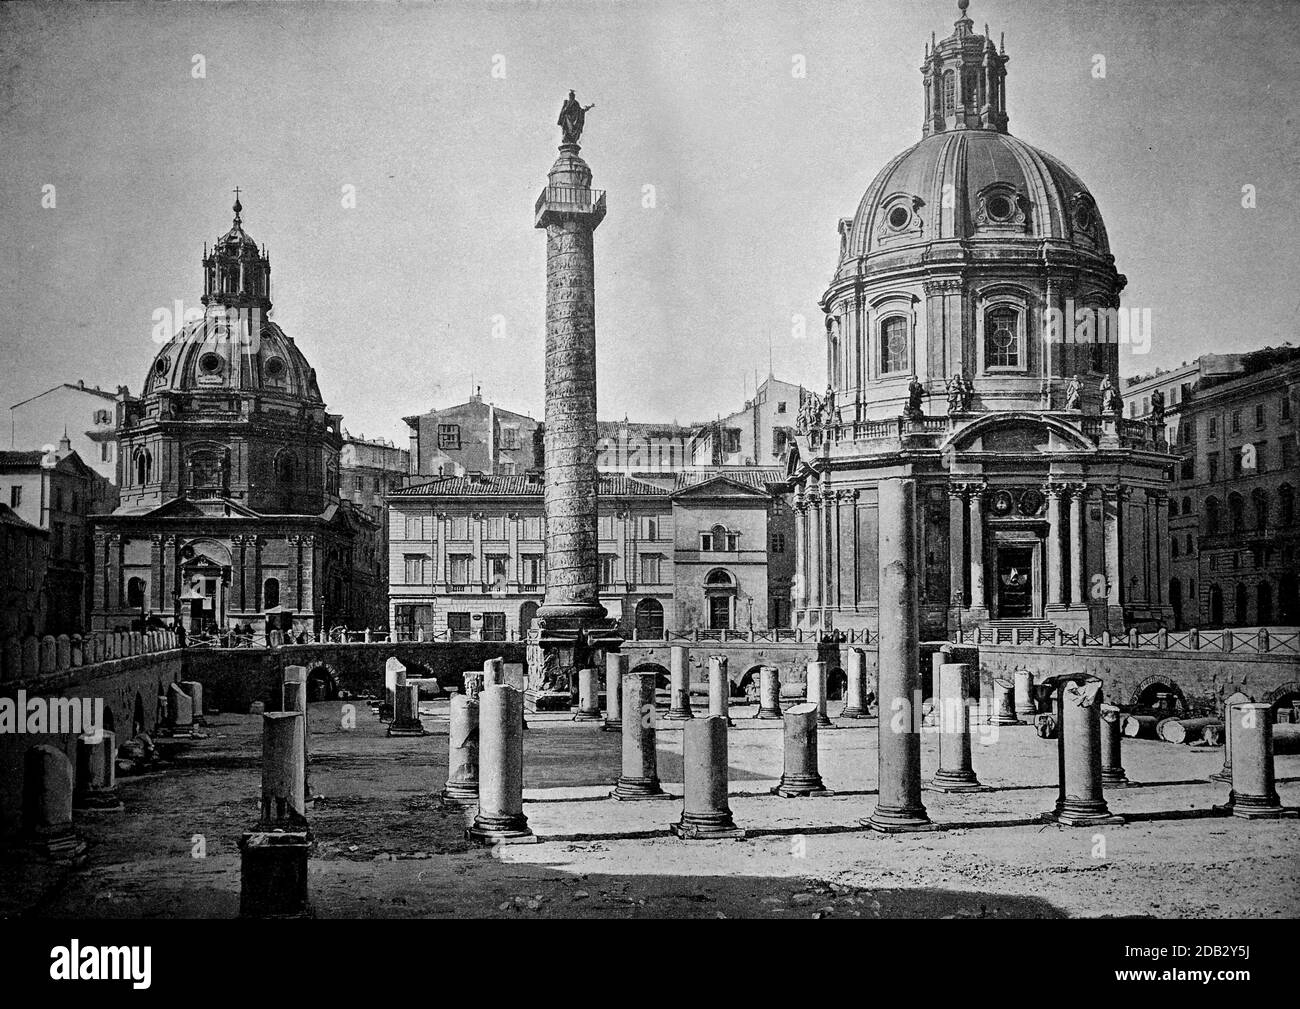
(385, 849)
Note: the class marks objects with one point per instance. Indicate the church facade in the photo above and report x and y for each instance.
(972, 332)
(228, 468)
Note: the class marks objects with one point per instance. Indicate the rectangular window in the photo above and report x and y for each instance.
(103, 451)
(1259, 415)
(780, 407)
(460, 568)
(506, 468)
(648, 528)
(414, 527)
(608, 569)
(510, 437)
(706, 541)
(1002, 339)
(1236, 464)
(494, 627)
(1214, 428)
(605, 527)
(449, 436)
(15, 496)
(1285, 411)
(497, 571)
(1236, 421)
(733, 541)
(1188, 469)
(731, 440)
(460, 527)
(459, 626)
(416, 569)
(1288, 453)
(532, 570)
(496, 527)
(778, 543)
(650, 564)
(533, 531)
(1212, 466)
(1261, 459)
(893, 345)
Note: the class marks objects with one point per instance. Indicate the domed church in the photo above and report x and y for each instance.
(972, 331)
(230, 514)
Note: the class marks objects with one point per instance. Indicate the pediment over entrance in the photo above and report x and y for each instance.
(1019, 433)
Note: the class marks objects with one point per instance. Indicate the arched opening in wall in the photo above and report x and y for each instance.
(720, 599)
(1264, 604)
(1159, 696)
(749, 682)
(837, 684)
(663, 679)
(527, 613)
(650, 620)
(321, 684)
(1288, 598)
(143, 467)
(1236, 513)
(1216, 606)
(135, 593)
(1286, 505)
(1284, 699)
(137, 716)
(1187, 505)
(1176, 602)
(270, 594)
(1241, 605)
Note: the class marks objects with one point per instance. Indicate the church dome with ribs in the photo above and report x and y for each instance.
(974, 184)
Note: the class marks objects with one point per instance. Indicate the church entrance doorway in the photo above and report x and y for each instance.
(1015, 582)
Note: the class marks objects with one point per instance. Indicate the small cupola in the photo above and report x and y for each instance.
(235, 273)
(965, 80)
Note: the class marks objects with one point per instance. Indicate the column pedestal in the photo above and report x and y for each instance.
(855, 702)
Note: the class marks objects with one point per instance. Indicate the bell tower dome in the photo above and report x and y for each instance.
(965, 80)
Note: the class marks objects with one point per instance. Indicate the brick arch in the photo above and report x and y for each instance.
(1163, 681)
(837, 684)
(319, 673)
(1289, 690)
(662, 675)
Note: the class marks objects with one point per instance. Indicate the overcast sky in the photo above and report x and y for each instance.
(394, 301)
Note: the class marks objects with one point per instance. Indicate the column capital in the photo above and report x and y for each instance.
(1053, 489)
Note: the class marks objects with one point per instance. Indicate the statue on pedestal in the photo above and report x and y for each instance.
(1111, 405)
(1157, 408)
(1074, 393)
(915, 393)
(960, 393)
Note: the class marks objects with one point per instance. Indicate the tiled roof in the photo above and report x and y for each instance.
(21, 458)
(749, 477)
(518, 485)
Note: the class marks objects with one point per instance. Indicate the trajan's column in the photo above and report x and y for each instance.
(571, 631)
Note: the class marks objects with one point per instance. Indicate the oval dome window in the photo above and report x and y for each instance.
(1083, 219)
(274, 368)
(898, 217)
(210, 364)
(999, 207)
(161, 365)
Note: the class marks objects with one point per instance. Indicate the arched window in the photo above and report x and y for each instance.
(720, 578)
(1188, 549)
(1187, 505)
(894, 345)
(1173, 508)
(949, 92)
(270, 593)
(1259, 503)
(135, 593)
(1242, 604)
(1002, 338)
(204, 471)
(1286, 504)
(1173, 547)
(1236, 513)
(1216, 605)
(1212, 517)
(143, 467)
(649, 619)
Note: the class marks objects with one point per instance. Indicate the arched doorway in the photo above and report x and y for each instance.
(1176, 602)
(1288, 599)
(650, 620)
(526, 614)
(1216, 606)
(1241, 604)
(720, 600)
(320, 684)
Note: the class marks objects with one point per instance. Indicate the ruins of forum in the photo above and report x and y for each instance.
(1130, 327)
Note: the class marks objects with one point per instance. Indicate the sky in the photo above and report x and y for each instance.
(442, 118)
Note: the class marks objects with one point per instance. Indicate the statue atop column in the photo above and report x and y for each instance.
(573, 117)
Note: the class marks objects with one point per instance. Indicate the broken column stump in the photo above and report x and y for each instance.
(1080, 801)
(705, 812)
(639, 777)
(500, 818)
(800, 775)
